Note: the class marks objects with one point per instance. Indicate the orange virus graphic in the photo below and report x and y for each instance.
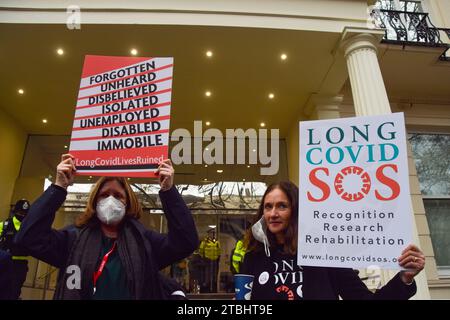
(352, 170)
(285, 289)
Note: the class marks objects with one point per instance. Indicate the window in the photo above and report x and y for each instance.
(385, 4)
(438, 216)
(404, 21)
(432, 159)
(222, 212)
(400, 5)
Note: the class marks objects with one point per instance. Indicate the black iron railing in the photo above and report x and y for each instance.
(410, 28)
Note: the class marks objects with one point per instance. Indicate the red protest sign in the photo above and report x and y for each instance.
(122, 116)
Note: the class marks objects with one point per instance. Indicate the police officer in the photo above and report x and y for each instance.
(8, 229)
(238, 253)
(5, 278)
(210, 250)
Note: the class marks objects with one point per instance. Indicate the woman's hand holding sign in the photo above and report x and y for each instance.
(413, 260)
(65, 171)
(165, 172)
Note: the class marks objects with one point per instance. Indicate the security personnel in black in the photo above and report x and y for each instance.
(8, 229)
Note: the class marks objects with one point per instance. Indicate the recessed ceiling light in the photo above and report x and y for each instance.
(219, 171)
(20, 91)
(134, 52)
(212, 226)
(208, 93)
(90, 177)
(205, 179)
(60, 51)
(283, 56)
(207, 149)
(65, 147)
(243, 180)
(254, 150)
(208, 123)
(271, 96)
(262, 124)
(44, 120)
(209, 54)
(206, 166)
(248, 166)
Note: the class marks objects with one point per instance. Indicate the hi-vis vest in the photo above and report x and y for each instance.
(7, 233)
(210, 249)
(238, 255)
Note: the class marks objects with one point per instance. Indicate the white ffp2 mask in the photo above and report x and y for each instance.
(259, 232)
(110, 210)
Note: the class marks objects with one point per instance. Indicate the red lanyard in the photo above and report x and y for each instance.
(98, 273)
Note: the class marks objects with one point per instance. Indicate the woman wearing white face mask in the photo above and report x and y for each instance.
(271, 258)
(115, 256)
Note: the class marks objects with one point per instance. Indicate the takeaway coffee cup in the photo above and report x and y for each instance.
(243, 284)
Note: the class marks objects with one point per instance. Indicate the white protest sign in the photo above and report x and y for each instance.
(354, 200)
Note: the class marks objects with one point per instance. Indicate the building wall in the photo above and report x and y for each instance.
(28, 187)
(12, 143)
(437, 120)
(439, 11)
(318, 15)
(321, 15)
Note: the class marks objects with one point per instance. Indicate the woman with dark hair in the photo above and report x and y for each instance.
(108, 253)
(272, 259)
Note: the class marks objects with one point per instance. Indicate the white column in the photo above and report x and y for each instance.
(369, 93)
(326, 107)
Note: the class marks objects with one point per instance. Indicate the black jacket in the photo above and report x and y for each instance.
(278, 277)
(57, 247)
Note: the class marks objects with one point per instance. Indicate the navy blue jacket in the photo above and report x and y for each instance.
(53, 246)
